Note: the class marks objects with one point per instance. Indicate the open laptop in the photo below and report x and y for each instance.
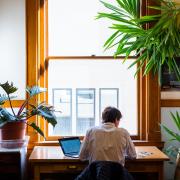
(70, 146)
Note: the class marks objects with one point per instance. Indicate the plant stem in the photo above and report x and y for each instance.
(23, 106)
(11, 105)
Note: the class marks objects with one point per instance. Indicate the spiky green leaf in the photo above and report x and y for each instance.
(175, 136)
(161, 42)
(176, 119)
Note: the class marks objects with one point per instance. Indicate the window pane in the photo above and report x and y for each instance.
(108, 97)
(73, 29)
(62, 99)
(90, 79)
(85, 110)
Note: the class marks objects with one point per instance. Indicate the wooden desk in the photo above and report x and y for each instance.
(50, 159)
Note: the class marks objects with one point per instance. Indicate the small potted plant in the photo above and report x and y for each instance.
(174, 151)
(13, 125)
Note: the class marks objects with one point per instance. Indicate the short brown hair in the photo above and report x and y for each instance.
(110, 114)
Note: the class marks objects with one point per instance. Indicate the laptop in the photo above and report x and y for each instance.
(70, 146)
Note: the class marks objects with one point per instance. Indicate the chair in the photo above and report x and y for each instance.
(104, 170)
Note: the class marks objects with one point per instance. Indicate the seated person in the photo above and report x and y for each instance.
(107, 142)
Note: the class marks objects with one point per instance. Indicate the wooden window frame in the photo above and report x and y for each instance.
(37, 63)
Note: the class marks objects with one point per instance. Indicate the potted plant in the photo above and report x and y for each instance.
(13, 125)
(154, 46)
(174, 151)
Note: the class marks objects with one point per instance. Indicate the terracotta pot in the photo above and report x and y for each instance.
(177, 171)
(13, 130)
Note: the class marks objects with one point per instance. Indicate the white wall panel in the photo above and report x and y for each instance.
(13, 44)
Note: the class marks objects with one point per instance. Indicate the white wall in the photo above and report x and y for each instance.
(13, 44)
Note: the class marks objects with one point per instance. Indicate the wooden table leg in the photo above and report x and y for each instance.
(160, 174)
(36, 173)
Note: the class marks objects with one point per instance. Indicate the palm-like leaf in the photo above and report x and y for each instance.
(154, 46)
(173, 150)
(174, 136)
(176, 120)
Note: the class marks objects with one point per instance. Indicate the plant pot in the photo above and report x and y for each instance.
(177, 171)
(12, 134)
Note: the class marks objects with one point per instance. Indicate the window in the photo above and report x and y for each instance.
(82, 88)
(76, 62)
(73, 30)
(139, 105)
(39, 59)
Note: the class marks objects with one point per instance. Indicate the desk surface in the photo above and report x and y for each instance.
(55, 154)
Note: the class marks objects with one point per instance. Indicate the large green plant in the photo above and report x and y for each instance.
(40, 109)
(153, 47)
(173, 136)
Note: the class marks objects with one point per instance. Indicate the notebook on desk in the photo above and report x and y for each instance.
(70, 146)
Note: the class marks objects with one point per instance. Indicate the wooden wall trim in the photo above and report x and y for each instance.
(41, 52)
(15, 103)
(152, 92)
(32, 53)
(170, 103)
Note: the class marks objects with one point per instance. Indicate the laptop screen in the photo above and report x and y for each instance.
(70, 145)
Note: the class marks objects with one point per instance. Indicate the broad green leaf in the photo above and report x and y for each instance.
(9, 88)
(6, 116)
(35, 90)
(37, 129)
(3, 98)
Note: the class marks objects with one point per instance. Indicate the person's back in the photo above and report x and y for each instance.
(108, 142)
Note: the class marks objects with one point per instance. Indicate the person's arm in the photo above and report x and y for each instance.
(84, 150)
(130, 149)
